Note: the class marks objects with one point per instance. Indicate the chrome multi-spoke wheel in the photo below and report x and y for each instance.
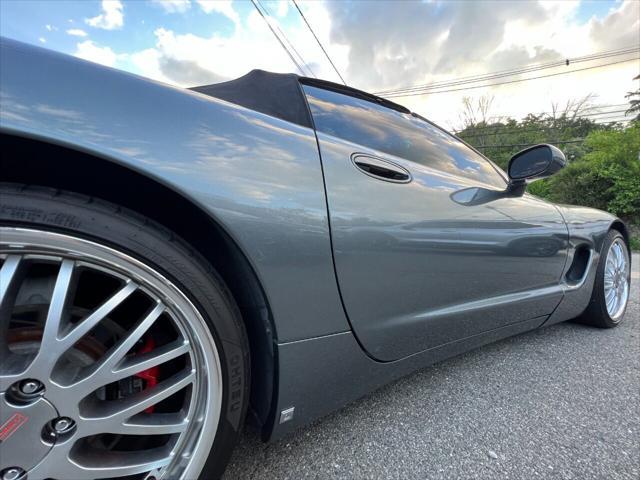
(616, 279)
(611, 284)
(107, 369)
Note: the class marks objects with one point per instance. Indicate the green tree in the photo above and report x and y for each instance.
(634, 103)
(604, 159)
(606, 177)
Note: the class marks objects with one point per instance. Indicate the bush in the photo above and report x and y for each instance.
(606, 177)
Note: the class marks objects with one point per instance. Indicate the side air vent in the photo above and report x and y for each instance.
(579, 264)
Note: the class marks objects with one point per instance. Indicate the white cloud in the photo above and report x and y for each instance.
(147, 63)
(224, 7)
(188, 59)
(282, 8)
(42, 40)
(111, 17)
(404, 52)
(76, 32)
(173, 6)
(50, 28)
(94, 53)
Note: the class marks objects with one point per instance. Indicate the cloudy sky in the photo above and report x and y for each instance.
(375, 45)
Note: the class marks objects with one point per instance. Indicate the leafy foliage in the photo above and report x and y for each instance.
(634, 101)
(609, 173)
(604, 159)
(500, 140)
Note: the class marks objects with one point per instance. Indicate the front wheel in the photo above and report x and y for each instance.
(122, 353)
(612, 284)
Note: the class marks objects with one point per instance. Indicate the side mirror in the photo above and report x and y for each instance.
(533, 163)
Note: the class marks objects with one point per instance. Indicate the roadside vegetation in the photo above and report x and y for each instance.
(604, 156)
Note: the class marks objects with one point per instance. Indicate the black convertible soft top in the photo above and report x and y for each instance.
(280, 94)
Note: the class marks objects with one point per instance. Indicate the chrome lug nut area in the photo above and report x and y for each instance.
(13, 473)
(30, 387)
(25, 392)
(63, 425)
(57, 430)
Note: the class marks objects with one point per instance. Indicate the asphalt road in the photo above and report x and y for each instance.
(560, 403)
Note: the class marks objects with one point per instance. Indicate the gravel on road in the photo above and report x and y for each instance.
(562, 402)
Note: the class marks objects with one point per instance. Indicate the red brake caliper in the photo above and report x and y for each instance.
(150, 375)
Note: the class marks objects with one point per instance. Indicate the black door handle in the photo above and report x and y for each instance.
(381, 169)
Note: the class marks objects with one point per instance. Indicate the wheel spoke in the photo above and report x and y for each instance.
(610, 295)
(107, 464)
(10, 280)
(619, 256)
(102, 372)
(49, 351)
(8, 277)
(614, 302)
(102, 417)
(609, 292)
(84, 462)
(136, 364)
(152, 424)
(56, 307)
(625, 291)
(85, 326)
(152, 359)
(610, 269)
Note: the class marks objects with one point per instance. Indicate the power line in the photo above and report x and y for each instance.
(513, 145)
(307, 65)
(502, 115)
(512, 81)
(504, 73)
(278, 38)
(604, 121)
(498, 116)
(498, 129)
(318, 40)
(580, 115)
(553, 142)
(542, 130)
(608, 117)
(473, 138)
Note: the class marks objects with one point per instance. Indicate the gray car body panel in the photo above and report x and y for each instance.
(257, 176)
(261, 179)
(588, 228)
(337, 365)
(417, 270)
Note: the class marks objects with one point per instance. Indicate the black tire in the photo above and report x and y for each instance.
(124, 230)
(596, 313)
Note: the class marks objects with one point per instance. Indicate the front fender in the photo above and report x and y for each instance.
(588, 228)
(589, 225)
(258, 177)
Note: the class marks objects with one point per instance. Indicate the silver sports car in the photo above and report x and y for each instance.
(178, 262)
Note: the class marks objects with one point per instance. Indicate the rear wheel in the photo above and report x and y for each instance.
(611, 287)
(122, 353)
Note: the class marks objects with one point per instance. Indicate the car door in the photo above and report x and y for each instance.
(425, 251)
